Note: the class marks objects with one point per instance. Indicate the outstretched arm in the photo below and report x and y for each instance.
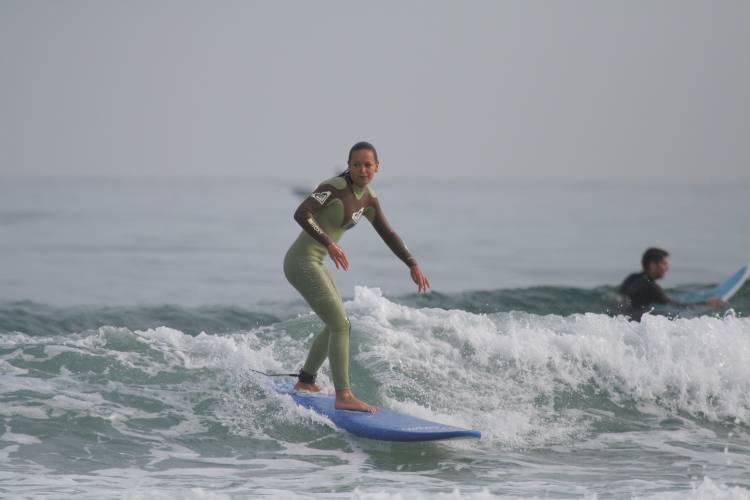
(397, 246)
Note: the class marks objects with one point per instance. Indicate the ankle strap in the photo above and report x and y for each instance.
(307, 378)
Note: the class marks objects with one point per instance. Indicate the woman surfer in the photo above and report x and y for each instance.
(337, 205)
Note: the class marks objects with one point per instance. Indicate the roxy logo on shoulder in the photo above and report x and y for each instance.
(321, 196)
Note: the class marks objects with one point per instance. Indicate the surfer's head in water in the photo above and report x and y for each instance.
(362, 163)
(655, 262)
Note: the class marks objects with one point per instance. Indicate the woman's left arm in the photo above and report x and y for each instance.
(397, 246)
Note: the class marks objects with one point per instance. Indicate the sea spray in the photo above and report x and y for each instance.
(541, 369)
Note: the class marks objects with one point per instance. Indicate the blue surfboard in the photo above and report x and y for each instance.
(383, 425)
(725, 290)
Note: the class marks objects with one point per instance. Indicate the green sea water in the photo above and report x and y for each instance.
(132, 316)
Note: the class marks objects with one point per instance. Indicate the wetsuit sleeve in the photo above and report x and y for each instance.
(305, 213)
(659, 296)
(394, 242)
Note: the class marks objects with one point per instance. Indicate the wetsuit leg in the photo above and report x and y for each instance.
(313, 281)
(318, 352)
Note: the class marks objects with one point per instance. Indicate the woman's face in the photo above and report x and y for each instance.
(362, 167)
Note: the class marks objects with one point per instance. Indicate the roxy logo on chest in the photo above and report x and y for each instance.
(356, 215)
(355, 218)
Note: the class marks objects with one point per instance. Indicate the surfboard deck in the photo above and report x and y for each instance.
(383, 425)
(724, 290)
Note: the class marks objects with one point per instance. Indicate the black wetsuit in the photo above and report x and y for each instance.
(642, 292)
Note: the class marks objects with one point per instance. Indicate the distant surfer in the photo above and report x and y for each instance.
(642, 291)
(336, 205)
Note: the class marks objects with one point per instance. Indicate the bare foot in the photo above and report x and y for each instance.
(303, 386)
(345, 400)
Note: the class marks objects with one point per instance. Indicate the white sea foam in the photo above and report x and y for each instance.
(502, 372)
(408, 494)
(12, 437)
(526, 381)
(7, 451)
(170, 494)
(8, 369)
(705, 489)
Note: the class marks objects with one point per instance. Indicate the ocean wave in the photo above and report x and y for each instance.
(565, 301)
(526, 380)
(163, 401)
(531, 379)
(40, 319)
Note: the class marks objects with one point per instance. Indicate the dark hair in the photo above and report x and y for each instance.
(653, 255)
(362, 145)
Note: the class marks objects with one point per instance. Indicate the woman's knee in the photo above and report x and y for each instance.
(340, 327)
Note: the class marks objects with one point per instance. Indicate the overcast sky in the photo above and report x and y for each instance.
(487, 89)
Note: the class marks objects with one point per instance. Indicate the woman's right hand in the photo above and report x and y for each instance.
(338, 256)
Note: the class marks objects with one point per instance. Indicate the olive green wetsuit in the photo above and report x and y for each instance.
(336, 205)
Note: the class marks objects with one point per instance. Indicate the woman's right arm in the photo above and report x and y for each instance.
(305, 214)
(305, 217)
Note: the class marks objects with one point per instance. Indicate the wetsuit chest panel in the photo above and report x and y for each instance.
(353, 212)
(353, 202)
(337, 205)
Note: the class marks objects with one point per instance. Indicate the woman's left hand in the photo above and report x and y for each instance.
(419, 278)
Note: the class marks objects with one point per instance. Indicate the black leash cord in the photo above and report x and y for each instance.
(295, 375)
